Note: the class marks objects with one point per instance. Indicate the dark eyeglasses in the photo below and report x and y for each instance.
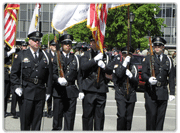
(35, 39)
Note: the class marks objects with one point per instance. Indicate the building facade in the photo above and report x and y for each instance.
(168, 12)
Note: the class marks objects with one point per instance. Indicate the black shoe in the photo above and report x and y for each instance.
(49, 115)
(5, 115)
(15, 116)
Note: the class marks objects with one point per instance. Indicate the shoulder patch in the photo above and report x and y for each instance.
(115, 66)
(16, 55)
(144, 59)
(82, 54)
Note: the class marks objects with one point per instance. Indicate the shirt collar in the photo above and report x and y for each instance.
(37, 52)
(65, 54)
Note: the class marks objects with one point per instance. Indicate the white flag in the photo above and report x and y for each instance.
(34, 20)
(65, 16)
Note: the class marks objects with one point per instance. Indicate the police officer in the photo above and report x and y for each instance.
(7, 71)
(31, 69)
(65, 92)
(125, 97)
(24, 46)
(156, 91)
(93, 92)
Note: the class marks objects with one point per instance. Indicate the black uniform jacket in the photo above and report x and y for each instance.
(7, 62)
(163, 70)
(89, 72)
(34, 74)
(71, 72)
(120, 81)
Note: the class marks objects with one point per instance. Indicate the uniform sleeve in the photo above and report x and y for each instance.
(172, 79)
(55, 69)
(50, 82)
(16, 71)
(85, 63)
(145, 72)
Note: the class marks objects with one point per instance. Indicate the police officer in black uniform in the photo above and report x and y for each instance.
(65, 92)
(156, 91)
(7, 71)
(93, 92)
(125, 99)
(31, 69)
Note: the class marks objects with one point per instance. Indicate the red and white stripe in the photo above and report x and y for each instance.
(10, 18)
(96, 22)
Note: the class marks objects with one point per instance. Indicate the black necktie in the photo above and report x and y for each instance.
(159, 57)
(35, 56)
(66, 58)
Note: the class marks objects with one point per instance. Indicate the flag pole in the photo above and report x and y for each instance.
(15, 35)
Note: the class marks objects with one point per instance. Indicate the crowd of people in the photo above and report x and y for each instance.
(60, 76)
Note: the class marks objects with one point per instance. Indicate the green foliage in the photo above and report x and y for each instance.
(27, 39)
(51, 37)
(80, 32)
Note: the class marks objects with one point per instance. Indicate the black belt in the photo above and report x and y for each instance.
(71, 83)
(34, 80)
(161, 83)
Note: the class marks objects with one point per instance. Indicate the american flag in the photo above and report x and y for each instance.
(96, 22)
(10, 21)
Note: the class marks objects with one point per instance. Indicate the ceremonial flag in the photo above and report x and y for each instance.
(35, 18)
(96, 21)
(66, 16)
(10, 22)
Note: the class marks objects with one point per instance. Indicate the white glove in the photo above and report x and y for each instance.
(62, 81)
(128, 73)
(126, 61)
(13, 50)
(171, 97)
(18, 91)
(101, 64)
(152, 80)
(47, 96)
(81, 96)
(98, 57)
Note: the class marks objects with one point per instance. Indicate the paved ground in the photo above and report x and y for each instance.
(138, 124)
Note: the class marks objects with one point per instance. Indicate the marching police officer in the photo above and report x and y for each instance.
(65, 92)
(156, 91)
(125, 97)
(93, 92)
(31, 69)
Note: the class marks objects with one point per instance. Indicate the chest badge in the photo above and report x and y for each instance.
(26, 60)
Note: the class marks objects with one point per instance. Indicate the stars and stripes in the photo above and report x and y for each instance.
(10, 19)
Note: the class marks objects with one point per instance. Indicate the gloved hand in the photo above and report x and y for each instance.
(47, 96)
(81, 96)
(101, 64)
(19, 91)
(128, 73)
(171, 97)
(98, 57)
(152, 80)
(62, 81)
(13, 50)
(126, 61)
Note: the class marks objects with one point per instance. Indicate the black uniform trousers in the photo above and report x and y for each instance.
(125, 114)
(64, 107)
(155, 113)
(31, 114)
(49, 105)
(93, 108)
(6, 93)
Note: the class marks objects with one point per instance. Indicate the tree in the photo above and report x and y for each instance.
(51, 37)
(116, 30)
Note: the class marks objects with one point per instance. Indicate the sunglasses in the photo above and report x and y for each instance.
(35, 39)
